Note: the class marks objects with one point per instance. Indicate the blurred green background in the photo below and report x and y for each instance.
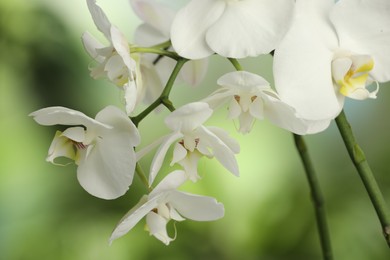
(45, 214)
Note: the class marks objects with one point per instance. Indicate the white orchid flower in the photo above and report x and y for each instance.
(193, 140)
(157, 20)
(114, 61)
(332, 51)
(103, 148)
(164, 203)
(230, 28)
(250, 97)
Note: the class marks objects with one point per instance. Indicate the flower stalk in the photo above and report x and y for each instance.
(317, 198)
(164, 97)
(363, 168)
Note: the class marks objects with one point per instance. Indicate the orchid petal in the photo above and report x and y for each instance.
(108, 168)
(220, 150)
(133, 216)
(189, 116)
(242, 79)
(224, 136)
(284, 116)
(76, 134)
(195, 207)
(146, 35)
(123, 126)
(91, 45)
(155, 14)
(302, 63)
(171, 182)
(130, 96)
(122, 47)
(64, 116)
(364, 27)
(61, 146)
(234, 109)
(99, 17)
(179, 153)
(157, 227)
(194, 71)
(190, 26)
(219, 97)
(250, 28)
(160, 155)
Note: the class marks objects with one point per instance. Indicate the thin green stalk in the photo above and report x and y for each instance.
(163, 45)
(158, 51)
(317, 198)
(164, 97)
(363, 168)
(142, 176)
(236, 64)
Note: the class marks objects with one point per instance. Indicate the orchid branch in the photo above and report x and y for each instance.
(164, 97)
(163, 45)
(142, 176)
(359, 160)
(236, 64)
(317, 198)
(158, 51)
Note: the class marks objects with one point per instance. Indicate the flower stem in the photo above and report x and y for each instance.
(141, 175)
(170, 54)
(363, 168)
(164, 97)
(316, 196)
(236, 64)
(163, 45)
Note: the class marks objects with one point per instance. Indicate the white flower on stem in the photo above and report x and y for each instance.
(250, 97)
(193, 140)
(155, 29)
(114, 61)
(164, 203)
(103, 148)
(230, 28)
(332, 51)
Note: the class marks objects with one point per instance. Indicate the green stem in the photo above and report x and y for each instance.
(317, 198)
(359, 160)
(164, 97)
(163, 45)
(142, 176)
(236, 64)
(170, 54)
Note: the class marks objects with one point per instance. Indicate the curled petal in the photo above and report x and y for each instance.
(220, 150)
(64, 116)
(99, 17)
(133, 216)
(160, 155)
(195, 207)
(61, 146)
(157, 227)
(91, 45)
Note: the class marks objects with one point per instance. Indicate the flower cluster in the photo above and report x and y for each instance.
(323, 52)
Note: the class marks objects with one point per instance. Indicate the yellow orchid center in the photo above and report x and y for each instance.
(351, 75)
